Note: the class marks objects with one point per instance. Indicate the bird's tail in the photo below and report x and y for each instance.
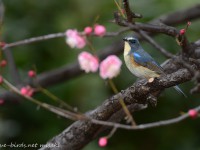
(177, 88)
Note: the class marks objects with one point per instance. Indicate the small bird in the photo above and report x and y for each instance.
(140, 63)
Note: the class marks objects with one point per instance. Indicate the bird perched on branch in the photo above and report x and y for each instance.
(140, 63)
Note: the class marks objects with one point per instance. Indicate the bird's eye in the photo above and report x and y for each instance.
(133, 41)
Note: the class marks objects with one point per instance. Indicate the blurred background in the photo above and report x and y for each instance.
(24, 123)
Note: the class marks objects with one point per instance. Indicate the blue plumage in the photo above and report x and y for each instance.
(136, 55)
(140, 63)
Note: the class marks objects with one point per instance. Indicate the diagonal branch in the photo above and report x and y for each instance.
(179, 17)
(156, 45)
(147, 125)
(34, 39)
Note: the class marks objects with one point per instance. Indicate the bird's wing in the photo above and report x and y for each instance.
(143, 58)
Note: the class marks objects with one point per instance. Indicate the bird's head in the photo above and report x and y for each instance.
(131, 44)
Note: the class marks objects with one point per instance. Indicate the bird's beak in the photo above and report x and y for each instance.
(125, 39)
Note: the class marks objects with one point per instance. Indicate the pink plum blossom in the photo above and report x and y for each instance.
(2, 44)
(88, 30)
(103, 141)
(182, 31)
(2, 101)
(27, 91)
(31, 73)
(1, 79)
(88, 62)
(99, 30)
(74, 39)
(189, 23)
(110, 67)
(3, 63)
(193, 113)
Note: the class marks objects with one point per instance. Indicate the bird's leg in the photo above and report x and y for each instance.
(152, 100)
(145, 81)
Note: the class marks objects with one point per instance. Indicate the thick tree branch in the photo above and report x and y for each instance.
(180, 16)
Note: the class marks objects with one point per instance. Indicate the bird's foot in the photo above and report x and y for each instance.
(152, 100)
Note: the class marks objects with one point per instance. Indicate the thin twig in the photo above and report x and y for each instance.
(114, 129)
(121, 101)
(56, 110)
(156, 45)
(35, 39)
(56, 35)
(55, 98)
(119, 8)
(148, 125)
